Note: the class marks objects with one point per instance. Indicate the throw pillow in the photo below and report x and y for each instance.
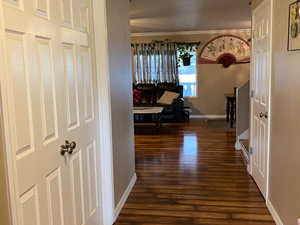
(137, 95)
(168, 97)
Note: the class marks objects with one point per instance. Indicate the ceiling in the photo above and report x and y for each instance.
(188, 15)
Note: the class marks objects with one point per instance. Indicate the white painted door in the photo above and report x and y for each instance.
(49, 96)
(260, 85)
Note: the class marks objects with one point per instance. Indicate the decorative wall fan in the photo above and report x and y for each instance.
(225, 50)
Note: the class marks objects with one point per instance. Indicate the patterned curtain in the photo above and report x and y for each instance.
(155, 63)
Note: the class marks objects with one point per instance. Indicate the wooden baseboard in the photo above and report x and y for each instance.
(124, 197)
(274, 213)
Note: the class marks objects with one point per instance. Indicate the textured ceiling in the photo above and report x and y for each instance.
(188, 15)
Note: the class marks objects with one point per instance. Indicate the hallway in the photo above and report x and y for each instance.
(190, 174)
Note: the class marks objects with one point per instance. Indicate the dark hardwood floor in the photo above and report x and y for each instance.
(189, 173)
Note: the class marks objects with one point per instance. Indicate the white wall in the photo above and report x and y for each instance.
(285, 127)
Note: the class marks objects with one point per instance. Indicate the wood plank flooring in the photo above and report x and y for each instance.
(189, 173)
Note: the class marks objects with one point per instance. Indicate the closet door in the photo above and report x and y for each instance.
(51, 111)
(260, 82)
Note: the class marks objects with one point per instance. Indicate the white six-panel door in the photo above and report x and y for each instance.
(260, 85)
(48, 81)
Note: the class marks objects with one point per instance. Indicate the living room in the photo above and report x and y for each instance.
(205, 83)
(218, 58)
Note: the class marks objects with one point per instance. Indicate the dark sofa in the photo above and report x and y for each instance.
(151, 93)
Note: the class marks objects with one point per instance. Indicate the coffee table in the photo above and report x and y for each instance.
(157, 111)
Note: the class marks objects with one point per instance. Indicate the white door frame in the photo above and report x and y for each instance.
(106, 198)
(104, 98)
(270, 94)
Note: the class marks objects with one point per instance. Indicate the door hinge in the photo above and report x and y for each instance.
(251, 93)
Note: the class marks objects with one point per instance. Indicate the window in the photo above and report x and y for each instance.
(188, 76)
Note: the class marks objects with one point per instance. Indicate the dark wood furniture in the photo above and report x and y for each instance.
(230, 108)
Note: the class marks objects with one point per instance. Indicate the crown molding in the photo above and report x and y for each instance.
(149, 34)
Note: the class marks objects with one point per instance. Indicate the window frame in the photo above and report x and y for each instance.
(196, 78)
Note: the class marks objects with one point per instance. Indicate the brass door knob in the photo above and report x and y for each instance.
(72, 146)
(68, 147)
(63, 150)
(263, 115)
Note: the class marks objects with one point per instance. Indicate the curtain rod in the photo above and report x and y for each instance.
(171, 42)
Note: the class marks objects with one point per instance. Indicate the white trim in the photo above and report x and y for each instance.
(238, 145)
(125, 196)
(147, 34)
(270, 100)
(244, 135)
(274, 213)
(208, 117)
(106, 198)
(245, 153)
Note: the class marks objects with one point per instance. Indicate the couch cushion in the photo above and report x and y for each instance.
(168, 97)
